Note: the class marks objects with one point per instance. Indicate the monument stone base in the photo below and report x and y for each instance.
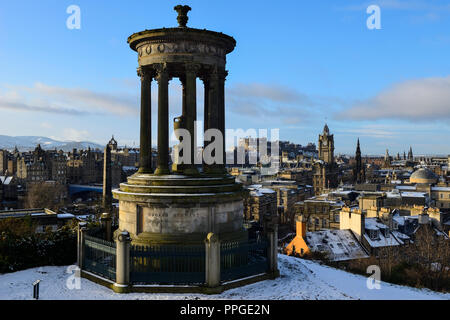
(178, 209)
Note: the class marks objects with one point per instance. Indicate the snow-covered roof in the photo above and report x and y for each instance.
(413, 194)
(340, 245)
(382, 240)
(257, 190)
(373, 224)
(65, 216)
(393, 194)
(399, 219)
(5, 180)
(440, 189)
(400, 235)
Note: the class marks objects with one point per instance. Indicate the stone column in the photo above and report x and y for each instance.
(190, 112)
(212, 247)
(163, 120)
(221, 87)
(123, 244)
(212, 114)
(145, 154)
(206, 102)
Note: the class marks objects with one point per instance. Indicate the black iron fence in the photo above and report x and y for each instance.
(167, 264)
(100, 257)
(243, 259)
(177, 264)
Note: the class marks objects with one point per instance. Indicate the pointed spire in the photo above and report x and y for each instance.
(410, 153)
(358, 149)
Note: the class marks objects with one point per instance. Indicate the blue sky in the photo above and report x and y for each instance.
(297, 64)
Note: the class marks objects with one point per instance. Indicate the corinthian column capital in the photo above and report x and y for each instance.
(161, 72)
(145, 73)
(192, 68)
(223, 74)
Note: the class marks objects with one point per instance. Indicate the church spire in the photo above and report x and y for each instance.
(410, 154)
(326, 130)
(358, 171)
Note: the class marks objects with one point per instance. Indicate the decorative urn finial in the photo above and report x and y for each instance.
(182, 15)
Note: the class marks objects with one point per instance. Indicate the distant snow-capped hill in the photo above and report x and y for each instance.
(27, 143)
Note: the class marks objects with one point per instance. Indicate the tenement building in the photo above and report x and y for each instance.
(40, 166)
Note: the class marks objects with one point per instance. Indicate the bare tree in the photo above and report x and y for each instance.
(45, 195)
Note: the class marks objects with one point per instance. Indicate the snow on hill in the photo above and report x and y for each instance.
(300, 279)
(27, 143)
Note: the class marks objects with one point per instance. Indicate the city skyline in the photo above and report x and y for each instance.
(79, 84)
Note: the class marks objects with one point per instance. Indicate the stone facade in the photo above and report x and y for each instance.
(40, 166)
(319, 214)
(259, 203)
(84, 167)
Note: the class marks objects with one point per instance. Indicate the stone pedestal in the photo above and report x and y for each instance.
(180, 209)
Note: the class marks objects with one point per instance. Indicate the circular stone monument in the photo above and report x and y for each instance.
(181, 205)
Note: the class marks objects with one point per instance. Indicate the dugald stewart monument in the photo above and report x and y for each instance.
(182, 224)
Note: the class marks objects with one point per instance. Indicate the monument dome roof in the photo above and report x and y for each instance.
(423, 175)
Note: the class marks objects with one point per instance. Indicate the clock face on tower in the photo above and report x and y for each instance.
(325, 143)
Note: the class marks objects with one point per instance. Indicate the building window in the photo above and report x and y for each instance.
(373, 234)
(139, 220)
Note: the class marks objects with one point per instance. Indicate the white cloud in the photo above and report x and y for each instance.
(73, 101)
(259, 101)
(415, 100)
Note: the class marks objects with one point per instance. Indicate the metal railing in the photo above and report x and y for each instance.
(167, 264)
(100, 257)
(243, 259)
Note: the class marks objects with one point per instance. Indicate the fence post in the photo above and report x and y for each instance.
(272, 254)
(123, 244)
(212, 259)
(106, 222)
(81, 250)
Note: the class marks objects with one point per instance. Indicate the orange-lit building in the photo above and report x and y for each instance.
(298, 244)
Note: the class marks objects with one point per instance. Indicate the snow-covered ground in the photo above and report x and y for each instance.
(300, 279)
